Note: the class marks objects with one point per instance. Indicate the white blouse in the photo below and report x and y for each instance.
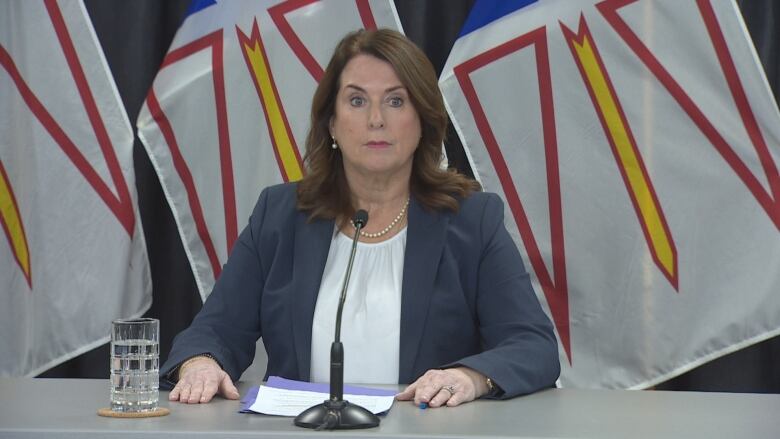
(371, 320)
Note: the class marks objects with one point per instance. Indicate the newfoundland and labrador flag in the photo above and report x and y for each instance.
(636, 144)
(72, 253)
(229, 109)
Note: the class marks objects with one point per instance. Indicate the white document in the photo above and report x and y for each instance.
(283, 402)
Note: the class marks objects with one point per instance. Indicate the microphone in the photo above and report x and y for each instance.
(335, 413)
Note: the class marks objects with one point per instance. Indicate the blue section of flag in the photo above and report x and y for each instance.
(486, 11)
(197, 5)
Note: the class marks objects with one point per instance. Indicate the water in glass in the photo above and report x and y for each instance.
(134, 380)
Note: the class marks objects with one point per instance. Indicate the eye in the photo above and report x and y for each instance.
(357, 101)
(395, 101)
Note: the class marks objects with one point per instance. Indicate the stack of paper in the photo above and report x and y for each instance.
(283, 397)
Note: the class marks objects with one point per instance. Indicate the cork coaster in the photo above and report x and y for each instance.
(159, 411)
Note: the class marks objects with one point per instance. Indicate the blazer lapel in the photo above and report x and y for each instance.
(424, 244)
(312, 243)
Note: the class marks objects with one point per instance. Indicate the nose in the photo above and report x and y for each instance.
(375, 117)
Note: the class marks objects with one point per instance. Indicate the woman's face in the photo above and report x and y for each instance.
(375, 124)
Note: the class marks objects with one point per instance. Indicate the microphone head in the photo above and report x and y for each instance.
(360, 219)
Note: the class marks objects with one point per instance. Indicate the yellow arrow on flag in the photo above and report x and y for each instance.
(12, 225)
(624, 148)
(284, 145)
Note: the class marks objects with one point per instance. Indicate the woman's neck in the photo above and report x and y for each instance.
(384, 200)
(371, 192)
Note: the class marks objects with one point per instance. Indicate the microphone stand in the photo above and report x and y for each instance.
(336, 413)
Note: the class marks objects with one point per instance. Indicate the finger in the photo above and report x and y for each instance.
(423, 394)
(184, 392)
(195, 392)
(440, 398)
(427, 391)
(456, 399)
(227, 388)
(174, 395)
(407, 393)
(210, 387)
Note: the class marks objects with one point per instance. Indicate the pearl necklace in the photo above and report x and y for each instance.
(390, 226)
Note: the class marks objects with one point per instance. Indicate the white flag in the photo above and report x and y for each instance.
(636, 144)
(73, 256)
(229, 109)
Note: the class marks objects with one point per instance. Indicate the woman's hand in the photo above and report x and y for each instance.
(200, 378)
(446, 386)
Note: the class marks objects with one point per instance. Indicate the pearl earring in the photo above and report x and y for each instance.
(334, 145)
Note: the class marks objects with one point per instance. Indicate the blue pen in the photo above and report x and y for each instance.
(423, 405)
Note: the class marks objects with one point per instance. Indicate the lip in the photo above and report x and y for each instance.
(377, 144)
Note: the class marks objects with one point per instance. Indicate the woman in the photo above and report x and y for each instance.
(438, 297)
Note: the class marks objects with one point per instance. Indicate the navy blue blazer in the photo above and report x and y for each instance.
(466, 297)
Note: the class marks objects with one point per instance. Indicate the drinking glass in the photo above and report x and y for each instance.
(135, 364)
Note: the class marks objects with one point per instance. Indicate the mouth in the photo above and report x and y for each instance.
(377, 144)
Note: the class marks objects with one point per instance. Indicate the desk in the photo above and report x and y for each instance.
(65, 408)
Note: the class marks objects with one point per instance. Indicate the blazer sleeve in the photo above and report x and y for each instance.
(520, 351)
(228, 325)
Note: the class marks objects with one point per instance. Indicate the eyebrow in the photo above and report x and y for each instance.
(361, 89)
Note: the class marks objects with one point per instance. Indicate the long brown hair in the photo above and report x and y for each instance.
(324, 191)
